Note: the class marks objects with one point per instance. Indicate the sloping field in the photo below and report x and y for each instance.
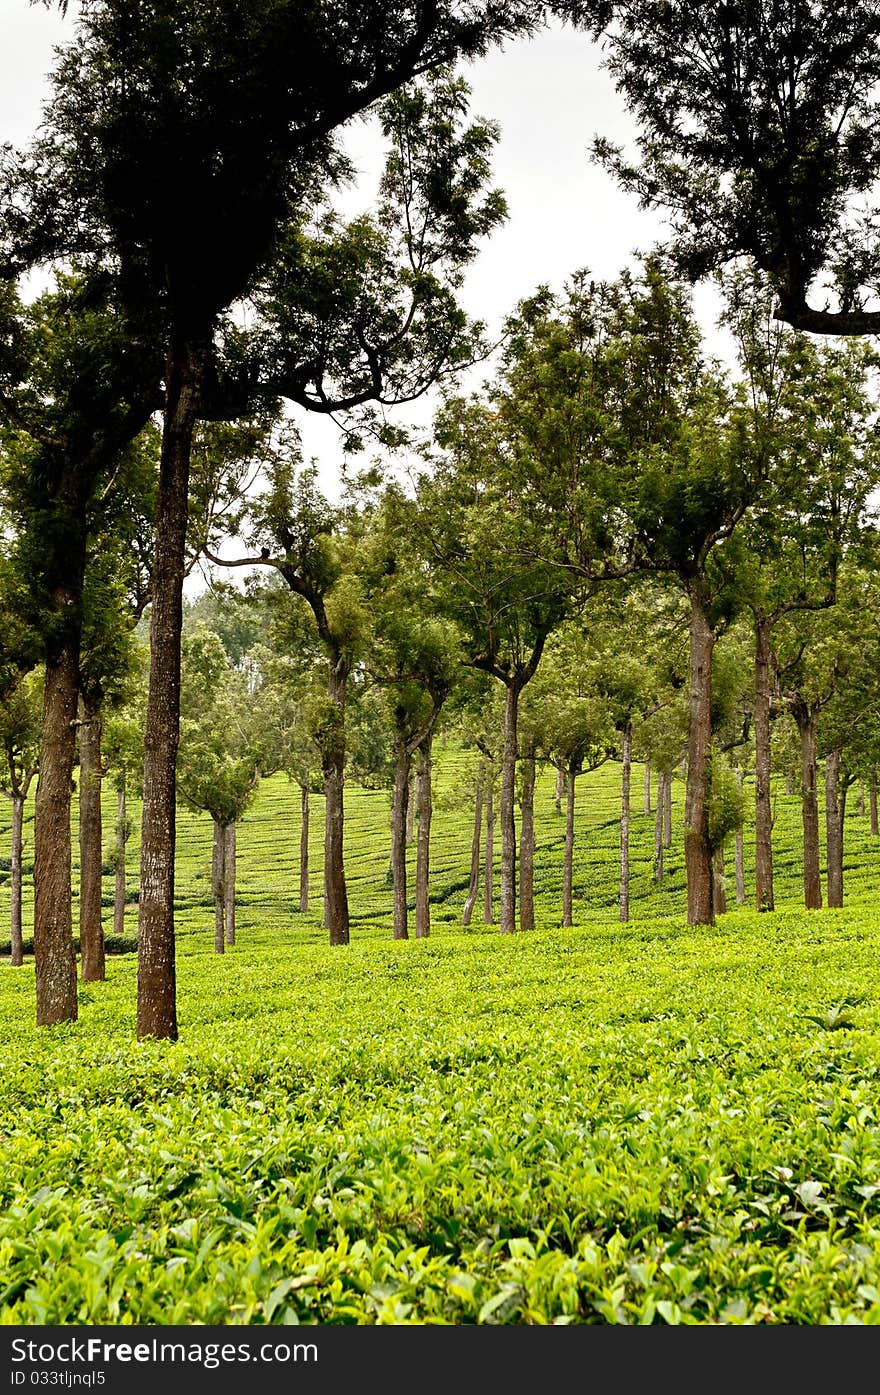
(609, 1124)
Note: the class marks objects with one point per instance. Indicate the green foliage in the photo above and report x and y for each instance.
(218, 761)
(598, 1126)
(727, 803)
(756, 134)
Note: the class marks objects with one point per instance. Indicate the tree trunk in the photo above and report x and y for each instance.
(336, 918)
(872, 806)
(719, 892)
(833, 829)
(91, 930)
(626, 772)
(659, 818)
(508, 810)
(698, 853)
(667, 810)
(411, 802)
(647, 804)
(16, 939)
(423, 847)
(805, 719)
(489, 856)
(474, 883)
(560, 788)
(400, 800)
(119, 885)
(54, 956)
(738, 862)
(304, 850)
(218, 887)
(568, 858)
(789, 782)
(157, 975)
(860, 802)
(527, 843)
(841, 828)
(763, 811)
(229, 881)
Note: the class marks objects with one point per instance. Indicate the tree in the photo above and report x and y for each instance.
(76, 390)
(107, 664)
(164, 127)
(848, 731)
(813, 408)
(695, 468)
(219, 764)
(578, 730)
(123, 760)
(499, 590)
(20, 714)
(414, 655)
(758, 137)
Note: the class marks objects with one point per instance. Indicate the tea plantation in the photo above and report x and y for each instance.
(609, 1124)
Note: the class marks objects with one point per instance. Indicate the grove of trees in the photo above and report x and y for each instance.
(614, 549)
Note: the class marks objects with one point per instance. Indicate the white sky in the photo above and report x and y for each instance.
(549, 95)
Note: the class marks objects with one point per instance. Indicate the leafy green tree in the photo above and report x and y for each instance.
(20, 726)
(814, 408)
(758, 137)
(76, 390)
(312, 554)
(164, 126)
(695, 468)
(499, 590)
(848, 733)
(107, 664)
(806, 667)
(577, 728)
(630, 674)
(219, 764)
(414, 655)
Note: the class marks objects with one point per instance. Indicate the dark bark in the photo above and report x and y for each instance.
(16, 942)
(646, 808)
(476, 844)
(527, 842)
(662, 778)
(218, 886)
(805, 720)
(489, 857)
(336, 918)
(626, 773)
(507, 923)
(400, 801)
(119, 886)
(698, 852)
(304, 849)
(91, 929)
(157, 977)
(763, 810)
(54, 956)
(568, 858)
(423, 846)
(833, 829)
(229, 881)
